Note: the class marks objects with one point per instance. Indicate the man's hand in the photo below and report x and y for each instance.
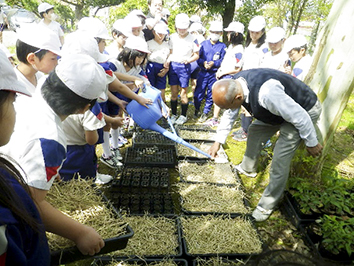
(315, 151)
(214, 149)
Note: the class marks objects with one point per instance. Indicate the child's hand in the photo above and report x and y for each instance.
(117, 121)
(122, 104)
(163, 72)
(89, 242)
(139, 83)
(143, 101)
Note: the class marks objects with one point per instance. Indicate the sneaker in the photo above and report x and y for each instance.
(241, 136)
(212, 122)
(103, 179)
(196, 115)
(173, 118)
(260, 214)
(203, 118)
(116, 154)
(122, 139)
(181, 120)
(239, 169)
(267, 144)
(111, 162)
(237, 132)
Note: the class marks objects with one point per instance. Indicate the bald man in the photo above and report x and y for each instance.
(279, 102)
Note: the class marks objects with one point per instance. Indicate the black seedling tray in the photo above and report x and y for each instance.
(105, 260)
(151, 155)
(69, 255)
(291, 210)
(143, 177)
(211, 133)
(154, 203)
(228, 256)
(151, 137)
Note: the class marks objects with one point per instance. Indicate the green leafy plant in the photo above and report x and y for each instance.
(338, 234)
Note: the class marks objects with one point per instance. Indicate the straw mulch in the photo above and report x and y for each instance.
(164, 262)
(220, 235)
(218, 261)
(152, 236)
(212, 198)
(185, 151)
(82, 202)
(193, 134)
(207, 172)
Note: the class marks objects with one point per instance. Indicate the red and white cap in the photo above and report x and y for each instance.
(44, 7)
(236, 27)
(257, 23)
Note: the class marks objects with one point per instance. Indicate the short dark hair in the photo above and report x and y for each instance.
(128, 56)
(42, 13)
(299, 48)
(236, 38)
(117, 32)
(60, 98)
(260, 41)
(149, 2)
(23, 49)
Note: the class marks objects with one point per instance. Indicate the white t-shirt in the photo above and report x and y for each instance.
(302, 67)
(233, 58)
(182, 48)
(134, 71)
(112, 50)
(253, 55)
(54, 26)
(275, 61)
(159, 52)
(75, 126)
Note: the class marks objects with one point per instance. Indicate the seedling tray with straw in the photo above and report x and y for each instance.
(195, 127)
(82, 201)
(151, 155)
(220, 236)
(143, 177)
(204, 198)
(151, 137)
(185, 153)
(207, 172)
(153, 203)
(155, 236)
(195, 134)
(124, 261)
(217, 261)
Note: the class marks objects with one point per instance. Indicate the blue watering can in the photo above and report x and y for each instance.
(146, 118)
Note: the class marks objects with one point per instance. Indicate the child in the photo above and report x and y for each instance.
(157, 66)
(232, 62)
(119, 35)
(83, 131)
(255, 50)
(211, 54)
(46, 11)
(42, 150)
(22, 236)
(276, 57)
(296, 47)
(184, 52)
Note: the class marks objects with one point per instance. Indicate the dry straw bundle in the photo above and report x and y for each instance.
(194, 134)
(218, 261)
(79, 200)
(207, 172)
(153, 235)
(164, 262)
(220, 235)
(212, 198)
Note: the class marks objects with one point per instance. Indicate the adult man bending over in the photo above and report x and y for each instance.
(279, 102)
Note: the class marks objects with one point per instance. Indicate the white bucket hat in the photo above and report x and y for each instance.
(215, 26)
(137, 43)
(182, 21)
(8, 78)
(161, 28)
(120, 25)
(294, 41)
(94, 27)
(82, 75)
(195, 19)
(44, 7)
(81, 43)
(197, 27)
(257, 23)
(236, 27)
(275, 35)
(40, 37)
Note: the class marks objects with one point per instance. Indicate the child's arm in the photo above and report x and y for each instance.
(194, 57)
(88, 241)
(91, 137)
(139, 83)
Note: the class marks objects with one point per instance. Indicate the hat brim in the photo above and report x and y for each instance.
(19, 87)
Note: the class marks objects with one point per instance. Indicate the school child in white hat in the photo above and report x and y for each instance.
(22, 233)
(211, 54)
(158, 66)
(276, 57)
(120, 35)
(111, 155)
(42, 149)
(296, 47)
(46, 11)
(184, 52)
